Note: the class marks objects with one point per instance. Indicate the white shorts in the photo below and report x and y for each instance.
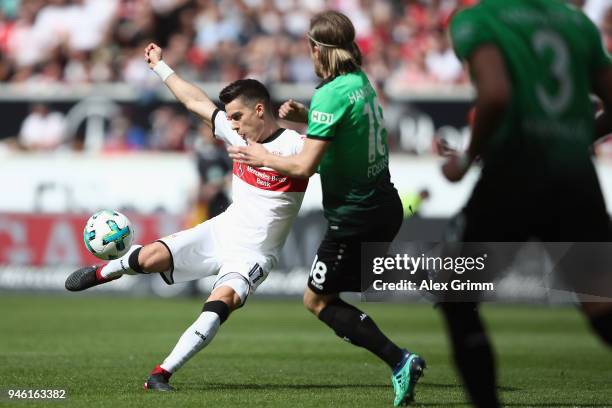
(197, 253)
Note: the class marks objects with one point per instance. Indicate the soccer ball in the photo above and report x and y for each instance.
(108, 234)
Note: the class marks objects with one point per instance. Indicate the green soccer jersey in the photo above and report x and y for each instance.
(355, 168)
(551, 51)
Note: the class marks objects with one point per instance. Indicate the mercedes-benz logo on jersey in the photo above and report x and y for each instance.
(240, 170)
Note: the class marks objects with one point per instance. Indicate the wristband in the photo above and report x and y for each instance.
(163, 70)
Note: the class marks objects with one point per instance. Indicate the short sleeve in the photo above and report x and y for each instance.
(326, 111)
(222, 129)
(468, 32)
(298, 144)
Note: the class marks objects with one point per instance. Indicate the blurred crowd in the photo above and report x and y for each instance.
(127, 128)
(81, 41)
(77, 41)
(92, 41)
(404, 44)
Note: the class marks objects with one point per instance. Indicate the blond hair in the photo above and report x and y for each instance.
(334, 33)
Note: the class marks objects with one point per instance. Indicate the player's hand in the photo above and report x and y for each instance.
(455, 167)
(253, 154)
(153, 54)
(293, 111)
(444, 149)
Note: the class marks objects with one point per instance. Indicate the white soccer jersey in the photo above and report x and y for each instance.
(265, 202)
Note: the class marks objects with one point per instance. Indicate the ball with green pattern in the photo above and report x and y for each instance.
(108, 234)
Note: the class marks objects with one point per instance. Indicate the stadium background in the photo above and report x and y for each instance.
(85, 125)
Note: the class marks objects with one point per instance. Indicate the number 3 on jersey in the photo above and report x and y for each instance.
(373, 109)
(554, 103)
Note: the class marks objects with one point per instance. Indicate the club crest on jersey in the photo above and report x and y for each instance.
(323, 118)
(240, 170)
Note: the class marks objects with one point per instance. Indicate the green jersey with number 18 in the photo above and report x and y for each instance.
(355, 168)
(551, 51)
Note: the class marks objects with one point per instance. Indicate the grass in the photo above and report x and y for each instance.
(274, 354)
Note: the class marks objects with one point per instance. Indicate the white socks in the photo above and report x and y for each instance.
(194, 339)
(120, 266)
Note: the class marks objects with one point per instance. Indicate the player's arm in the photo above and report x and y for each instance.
(602, 86)
(194, 99)
(301, 165)
(494, 92)
(600, 72)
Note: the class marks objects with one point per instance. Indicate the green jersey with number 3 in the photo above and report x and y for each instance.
(355, 168)
(551, 51)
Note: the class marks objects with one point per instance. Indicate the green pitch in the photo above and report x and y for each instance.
(274, 354)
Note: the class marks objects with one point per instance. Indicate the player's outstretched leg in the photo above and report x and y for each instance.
(472, 352)
(600, 318)
(151, 258)
(85, 278)
(222, 301)
(356, 327)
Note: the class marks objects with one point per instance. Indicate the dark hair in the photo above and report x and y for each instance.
(250, 90)
(334, 33)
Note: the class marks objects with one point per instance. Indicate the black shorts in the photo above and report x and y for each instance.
(337, 265)
(552, 210)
